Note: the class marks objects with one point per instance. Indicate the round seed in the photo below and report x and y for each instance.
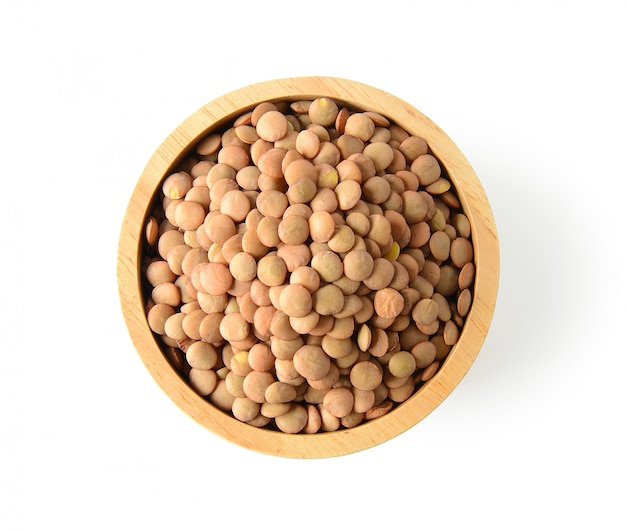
(271, 270)
(158, 315)
(293, 230)
(325, 383)
(272, 203)
(339, 402)
(202, 381)
(296, 301)
(267, 231)
(466, 276)
(364, 338)
(191, 323)
(366, 375)
(336, 348)
(328, 300)
(189, 215)
(246, 133)
(403, 392)
(255, 385)
(328, 265)
(173, 327)
(248, 178)
(425, 312)
(294, 256)
(259, 110)
(239, 364)
(272, 126)
(321, 226)
(348, 193)
(306, 324)
(279, 392)
(233, 156)
(430, 371)
(327, 176)
(424, 354)
(323, 111)
(307, 143)
(301, 191)
(402, 364)
(177, 185)
(413, 147)
(311, 362)
(358, 265)
(233, 327)
(359, 223)
(219, 228)
(299, 169)
(450, 333)
(360, 125)
(461, 224)
(438, 187)
(461, 252)
(439, 245)
(427, 169)
(381, 276)
(379, 410)
(201, 355)
(209, 145)
(388, 303)
(168, 240)
(214, 278)
(414, 206)
(380, 343)
(380, 230)
(158, 272)
(349, 169)
(166, 293)
(342, 240)
(324, 200)
(292, 421)
(307, 277)
(380, 153)
(464, 302)
(448, 280)
(235, 204)
(244, 409)
(340, 121)
(243, 267)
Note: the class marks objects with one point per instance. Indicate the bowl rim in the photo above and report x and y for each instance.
(460, 358)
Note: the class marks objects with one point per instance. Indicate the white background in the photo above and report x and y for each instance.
(532, 93)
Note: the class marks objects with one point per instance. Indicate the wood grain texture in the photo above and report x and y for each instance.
(462, 355)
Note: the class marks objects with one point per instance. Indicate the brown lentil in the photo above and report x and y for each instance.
(321, 226)
(292, 421)
(293, 230)
(309, 267)
(388, 303)
(328, 300)
(296, 301)
(366, 375)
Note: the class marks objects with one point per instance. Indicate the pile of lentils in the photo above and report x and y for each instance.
(308, 267)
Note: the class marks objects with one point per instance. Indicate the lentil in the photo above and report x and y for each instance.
(309, 267)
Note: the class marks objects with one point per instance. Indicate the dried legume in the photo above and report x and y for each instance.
(308, 267)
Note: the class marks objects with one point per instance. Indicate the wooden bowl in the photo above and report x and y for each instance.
(430, 395)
